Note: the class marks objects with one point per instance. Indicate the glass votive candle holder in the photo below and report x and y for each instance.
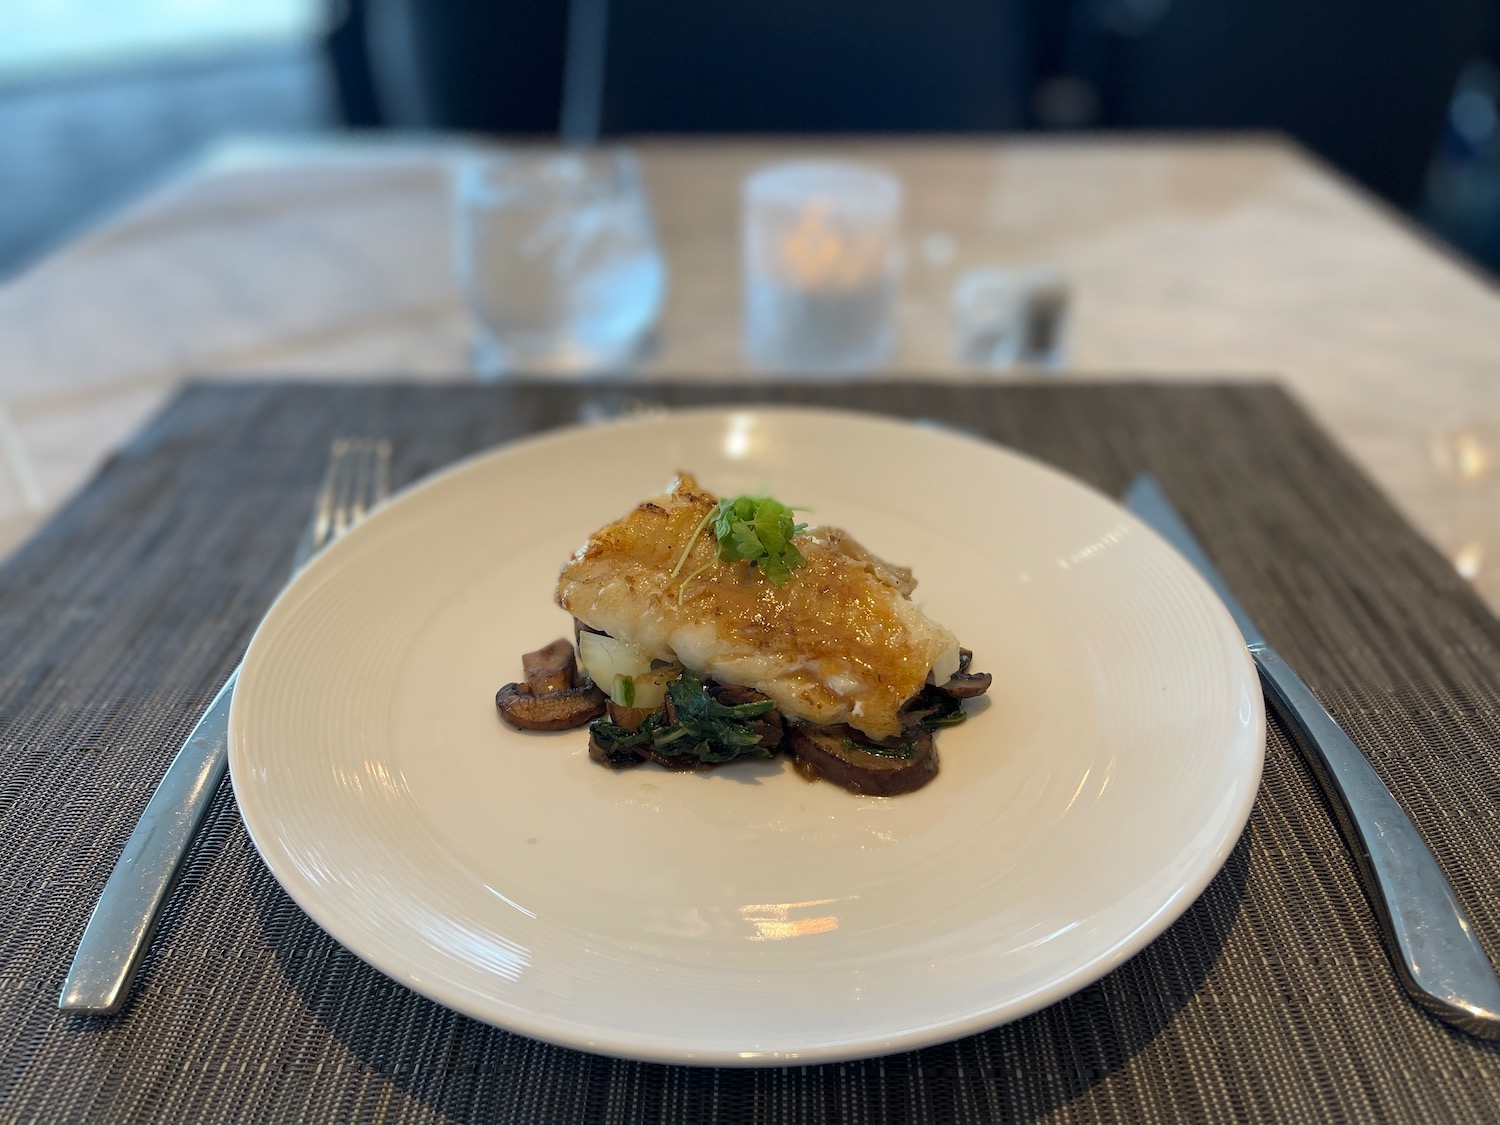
(822, 267)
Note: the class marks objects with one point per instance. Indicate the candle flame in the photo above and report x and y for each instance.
(818, 254)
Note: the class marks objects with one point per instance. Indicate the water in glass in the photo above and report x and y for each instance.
(557, 258)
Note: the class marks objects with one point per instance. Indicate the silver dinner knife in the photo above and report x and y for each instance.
(1427, 934)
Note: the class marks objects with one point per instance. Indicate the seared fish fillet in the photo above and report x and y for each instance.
(841, 642)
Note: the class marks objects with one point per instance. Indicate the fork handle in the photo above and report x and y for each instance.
(119, 931)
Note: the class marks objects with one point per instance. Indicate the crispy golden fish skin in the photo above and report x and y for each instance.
(840, 642)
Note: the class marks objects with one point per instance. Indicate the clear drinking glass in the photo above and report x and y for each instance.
(557, 258)
(822, 267)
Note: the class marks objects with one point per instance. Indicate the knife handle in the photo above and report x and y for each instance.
(119, 931)
(1429, 937)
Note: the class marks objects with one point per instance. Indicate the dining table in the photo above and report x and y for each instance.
(1313, 378)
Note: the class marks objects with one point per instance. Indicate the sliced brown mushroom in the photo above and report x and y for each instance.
(559, 710)
(732, 695)
(846, 757)
(550, 669)
(966, 685)
(555, 696)
(687, 761)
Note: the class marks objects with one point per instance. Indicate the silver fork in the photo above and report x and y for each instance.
(119, 931)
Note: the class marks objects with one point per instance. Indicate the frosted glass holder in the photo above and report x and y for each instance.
(822, 267)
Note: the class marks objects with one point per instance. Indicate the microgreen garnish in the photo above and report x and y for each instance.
(755, 529)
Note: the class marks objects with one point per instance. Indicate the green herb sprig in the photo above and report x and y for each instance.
(754, 529)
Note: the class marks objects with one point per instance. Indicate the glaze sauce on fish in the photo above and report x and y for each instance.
(840, 642)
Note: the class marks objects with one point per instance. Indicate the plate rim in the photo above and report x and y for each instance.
(1186, 892)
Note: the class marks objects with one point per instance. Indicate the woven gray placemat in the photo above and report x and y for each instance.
(1270, 998)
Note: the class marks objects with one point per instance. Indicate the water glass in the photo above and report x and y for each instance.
(822, 268)
(557, 258)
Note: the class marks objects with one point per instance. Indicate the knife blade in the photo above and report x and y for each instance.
(1429, 937)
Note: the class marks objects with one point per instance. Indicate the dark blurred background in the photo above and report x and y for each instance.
(101, 99)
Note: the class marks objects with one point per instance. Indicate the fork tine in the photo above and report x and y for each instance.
(363, 483)
(348, 471)
(354, 499)
(323, 506)
(356, 480)
(380, 478)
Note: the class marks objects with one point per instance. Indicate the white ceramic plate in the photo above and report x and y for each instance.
(746, 916)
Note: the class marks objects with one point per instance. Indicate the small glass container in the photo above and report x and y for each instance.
(989, 326)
